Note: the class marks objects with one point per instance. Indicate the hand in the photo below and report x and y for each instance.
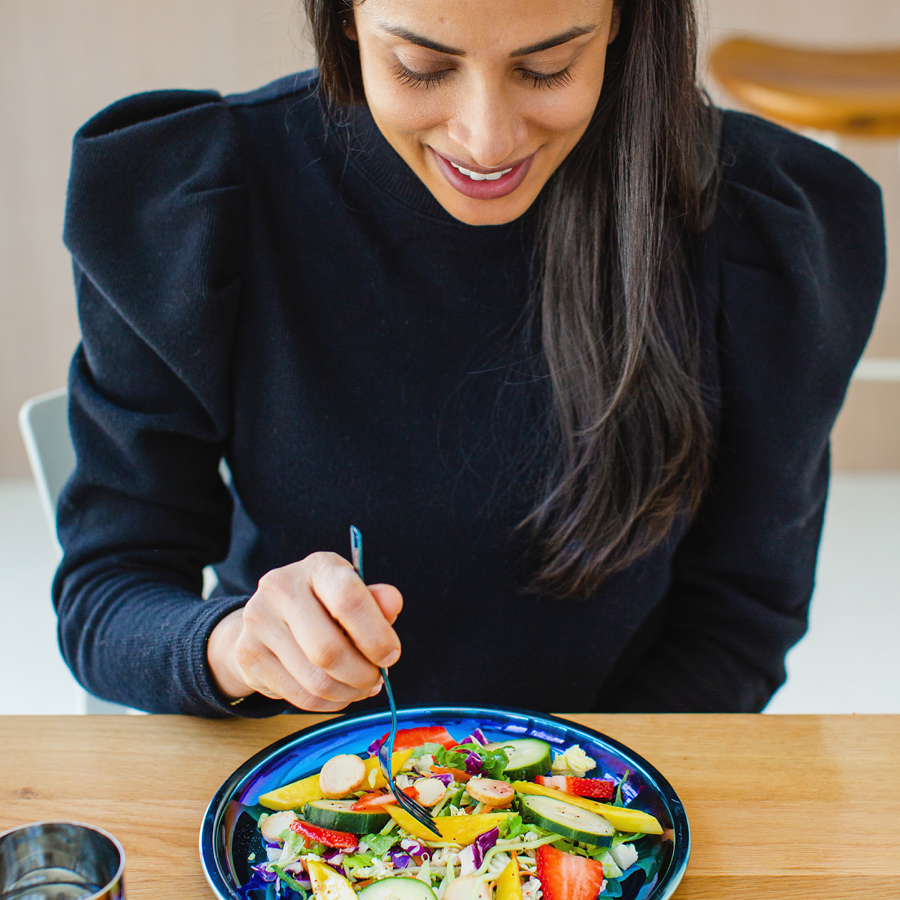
(313, 634)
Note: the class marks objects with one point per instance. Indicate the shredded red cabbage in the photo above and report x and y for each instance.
(474, 763)
(483, 843)
(476, 737)
(415, 848)
(298, 871)
(263, 874)
(401, 860)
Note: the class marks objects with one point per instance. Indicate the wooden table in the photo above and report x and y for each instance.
(779, 806)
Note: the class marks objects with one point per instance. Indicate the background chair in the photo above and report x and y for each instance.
(44, 424)
(841, 91)
(852, 93)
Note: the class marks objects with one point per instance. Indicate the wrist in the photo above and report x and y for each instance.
(222, 659)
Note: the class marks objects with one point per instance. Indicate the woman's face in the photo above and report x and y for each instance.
(483, 98)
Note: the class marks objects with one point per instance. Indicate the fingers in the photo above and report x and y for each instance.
(389, 600)
(343, 681)
(352, 605)
(312, 634)
(278, 683)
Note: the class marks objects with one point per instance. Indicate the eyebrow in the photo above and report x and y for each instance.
(421, 41)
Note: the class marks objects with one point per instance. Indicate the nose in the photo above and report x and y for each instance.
(486, 124)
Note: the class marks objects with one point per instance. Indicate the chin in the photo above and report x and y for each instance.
(484, 212)
(489, 215)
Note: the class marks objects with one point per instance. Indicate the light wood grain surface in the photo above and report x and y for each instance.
(787, 807)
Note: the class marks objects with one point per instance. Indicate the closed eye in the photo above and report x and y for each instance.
(553, 80)
(420, 79)
(410, 77)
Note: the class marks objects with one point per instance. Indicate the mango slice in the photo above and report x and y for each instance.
(509, 887)
(374, 779)
(460, 829)
(294, 795)
(632, 821)
(398, 758)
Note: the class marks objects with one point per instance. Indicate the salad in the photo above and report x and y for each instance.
(515, 820)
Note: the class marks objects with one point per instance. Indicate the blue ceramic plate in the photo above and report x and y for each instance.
(229, 835)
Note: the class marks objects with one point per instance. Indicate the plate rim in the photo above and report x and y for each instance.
(212, 814)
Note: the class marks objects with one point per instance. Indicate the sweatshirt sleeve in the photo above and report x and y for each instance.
(154, 222)
(792, 271)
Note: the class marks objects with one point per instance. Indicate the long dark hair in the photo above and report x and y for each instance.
(615, 304)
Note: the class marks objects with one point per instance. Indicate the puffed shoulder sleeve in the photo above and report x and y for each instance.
(789, 278)
(154, 222)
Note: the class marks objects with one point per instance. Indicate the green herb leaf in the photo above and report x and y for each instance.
(613, 889)
(622, 837)
(648, 864)
(618, 800)
(495, 761)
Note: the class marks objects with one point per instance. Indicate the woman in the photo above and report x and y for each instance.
(499, 288)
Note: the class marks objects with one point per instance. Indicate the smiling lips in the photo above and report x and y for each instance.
(481, 176)
(483, 185)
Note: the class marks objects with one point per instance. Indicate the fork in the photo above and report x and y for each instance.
(386, 751)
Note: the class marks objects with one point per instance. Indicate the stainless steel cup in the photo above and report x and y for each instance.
(60, 861)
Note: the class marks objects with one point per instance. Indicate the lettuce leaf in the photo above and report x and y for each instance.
(426, 750)
(379, 844)
(512, 826)
(493, 762)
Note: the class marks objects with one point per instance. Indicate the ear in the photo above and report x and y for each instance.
(348, 24)
(615, 23)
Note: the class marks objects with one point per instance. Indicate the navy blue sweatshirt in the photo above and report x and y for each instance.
(257, 285)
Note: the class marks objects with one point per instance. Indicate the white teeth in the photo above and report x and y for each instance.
(478, 176)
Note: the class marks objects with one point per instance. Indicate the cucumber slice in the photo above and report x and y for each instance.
(337, 815)
(563, 818)
(527, 757)
(398, 887)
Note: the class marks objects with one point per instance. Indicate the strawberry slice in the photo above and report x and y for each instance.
(377, 800)
(595, 788)
(408, 738)
(564, 876)
(339, 839)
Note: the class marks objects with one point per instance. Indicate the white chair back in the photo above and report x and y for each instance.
(44, 422)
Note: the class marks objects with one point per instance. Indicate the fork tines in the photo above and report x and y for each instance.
(415, 809)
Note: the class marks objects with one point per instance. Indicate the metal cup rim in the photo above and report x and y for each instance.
(120, 869)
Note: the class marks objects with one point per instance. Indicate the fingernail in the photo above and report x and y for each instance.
(389, 660)
(377, 689)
